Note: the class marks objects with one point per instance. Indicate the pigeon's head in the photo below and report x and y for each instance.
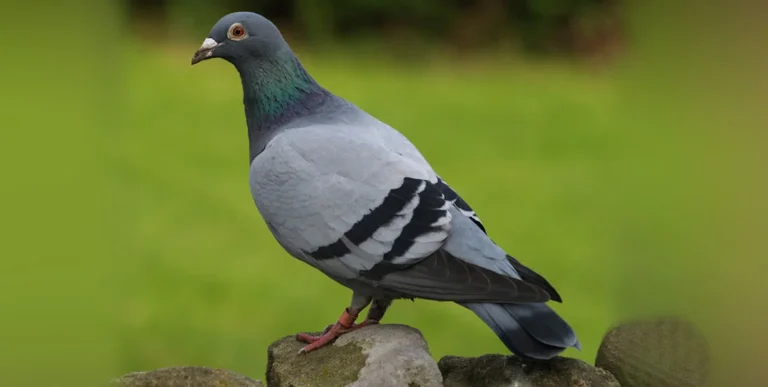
(241, 37)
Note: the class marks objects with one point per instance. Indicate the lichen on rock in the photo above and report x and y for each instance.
(336, 365)
(381, 355)
(186, 376)
(500, 370)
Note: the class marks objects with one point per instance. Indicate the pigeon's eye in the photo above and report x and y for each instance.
(237, 32)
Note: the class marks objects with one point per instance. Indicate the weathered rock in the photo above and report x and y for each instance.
(663, 352)
(388, 355)
(500, 370)
(186, 377)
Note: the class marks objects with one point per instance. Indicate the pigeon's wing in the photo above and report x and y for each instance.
(459, 203)
(342, 201)
(525, 272)
(347, 203)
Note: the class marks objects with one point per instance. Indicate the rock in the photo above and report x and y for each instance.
(387, 355)
(663, 352)
(500, 370)
(186, 377)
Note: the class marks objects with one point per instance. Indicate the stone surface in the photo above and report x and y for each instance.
(185, 377)
(505, 371)
(662, 352)
(387, 355)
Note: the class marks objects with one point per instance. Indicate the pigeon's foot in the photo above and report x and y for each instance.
(307, 338)
(345, 324)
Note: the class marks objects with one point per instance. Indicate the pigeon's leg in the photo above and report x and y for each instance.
(375, 313)
(345, 324)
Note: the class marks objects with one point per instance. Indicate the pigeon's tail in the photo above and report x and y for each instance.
(528, 330)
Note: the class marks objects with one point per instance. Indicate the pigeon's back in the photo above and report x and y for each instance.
(342, 113)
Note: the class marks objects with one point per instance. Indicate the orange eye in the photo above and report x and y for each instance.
(237, 32)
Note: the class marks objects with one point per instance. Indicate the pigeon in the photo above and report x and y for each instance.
(351, 196)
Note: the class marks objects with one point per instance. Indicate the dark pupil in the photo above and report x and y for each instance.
(238, 31)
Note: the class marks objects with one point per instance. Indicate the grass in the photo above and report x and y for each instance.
(524, 144)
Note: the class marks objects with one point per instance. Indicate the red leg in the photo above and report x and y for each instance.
(345, 324)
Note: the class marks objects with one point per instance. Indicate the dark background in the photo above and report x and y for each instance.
(568, 27)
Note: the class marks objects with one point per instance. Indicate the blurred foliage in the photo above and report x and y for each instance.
(563, 26)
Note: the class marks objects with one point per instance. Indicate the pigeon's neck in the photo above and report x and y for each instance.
(275, 92)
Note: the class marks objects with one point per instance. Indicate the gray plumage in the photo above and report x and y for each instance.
(352, 197)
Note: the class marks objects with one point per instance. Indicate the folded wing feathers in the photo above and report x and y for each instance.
(443, 277)
(453, 198)
(401, 239)
(427, 227)
(398, 203)
(411, 222)
(526, 273)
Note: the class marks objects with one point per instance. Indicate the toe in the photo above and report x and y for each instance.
(319, 343)
(307, 338)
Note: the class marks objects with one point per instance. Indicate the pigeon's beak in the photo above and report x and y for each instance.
(205, 51)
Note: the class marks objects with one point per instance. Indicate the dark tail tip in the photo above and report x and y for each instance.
(528, 330)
